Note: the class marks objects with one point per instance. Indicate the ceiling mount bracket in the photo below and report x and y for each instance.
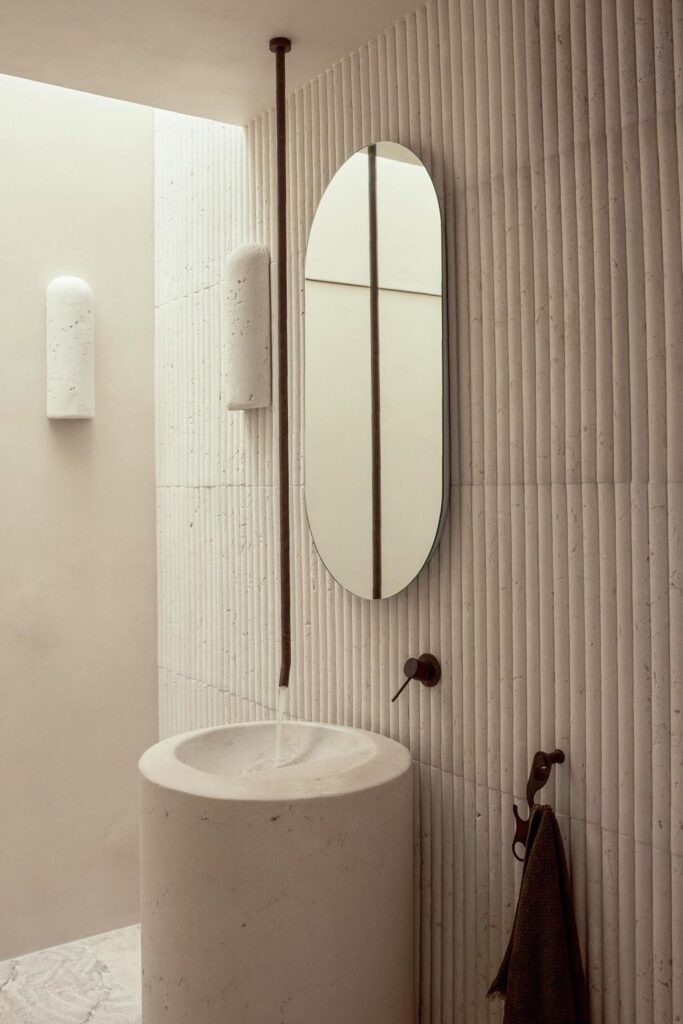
(280, 44)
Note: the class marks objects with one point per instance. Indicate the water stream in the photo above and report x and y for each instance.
(282, 693)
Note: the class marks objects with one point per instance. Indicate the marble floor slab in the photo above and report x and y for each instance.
(95, 980)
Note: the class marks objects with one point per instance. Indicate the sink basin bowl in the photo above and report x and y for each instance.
(277, 877)
(243, 762)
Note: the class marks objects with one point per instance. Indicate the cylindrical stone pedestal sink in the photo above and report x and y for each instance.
(277, 891)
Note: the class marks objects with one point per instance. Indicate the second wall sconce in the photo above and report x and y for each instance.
(247, 378)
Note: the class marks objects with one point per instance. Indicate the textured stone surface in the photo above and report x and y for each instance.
(277, 893)
(554, 601)
(95, 980)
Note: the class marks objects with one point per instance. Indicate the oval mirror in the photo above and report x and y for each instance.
(375, 372)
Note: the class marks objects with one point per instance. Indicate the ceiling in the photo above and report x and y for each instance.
(204, 57)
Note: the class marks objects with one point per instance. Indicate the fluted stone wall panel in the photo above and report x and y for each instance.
(554, 132)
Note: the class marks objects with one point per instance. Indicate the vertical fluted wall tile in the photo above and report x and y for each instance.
(554, 134)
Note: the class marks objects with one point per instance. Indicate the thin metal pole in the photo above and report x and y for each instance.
(280, 46)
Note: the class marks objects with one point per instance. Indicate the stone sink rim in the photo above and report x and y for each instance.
(364, 761)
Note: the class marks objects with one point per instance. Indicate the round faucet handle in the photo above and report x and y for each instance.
(426, 668)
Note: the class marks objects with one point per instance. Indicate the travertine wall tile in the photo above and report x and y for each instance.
(553, 132)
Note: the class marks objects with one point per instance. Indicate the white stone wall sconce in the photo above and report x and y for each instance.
(70, 350)
(247, 377)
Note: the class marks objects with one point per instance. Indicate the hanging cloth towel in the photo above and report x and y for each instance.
(541, 977)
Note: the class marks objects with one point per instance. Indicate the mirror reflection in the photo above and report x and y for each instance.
(375, 371)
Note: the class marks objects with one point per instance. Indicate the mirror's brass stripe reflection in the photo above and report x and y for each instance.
(374, 381)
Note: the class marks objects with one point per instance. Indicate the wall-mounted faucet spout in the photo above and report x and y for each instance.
(280, 46)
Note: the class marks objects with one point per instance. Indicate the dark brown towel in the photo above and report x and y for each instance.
(541, 976)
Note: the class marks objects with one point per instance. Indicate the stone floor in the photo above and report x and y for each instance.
(94, 980)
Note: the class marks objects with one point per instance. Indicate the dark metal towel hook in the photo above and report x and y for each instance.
(541, 766)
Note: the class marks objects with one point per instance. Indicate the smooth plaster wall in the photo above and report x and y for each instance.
(554, 132)
(77, 530)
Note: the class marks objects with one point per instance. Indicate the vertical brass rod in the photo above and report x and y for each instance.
(375, 395)
(280, 46)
